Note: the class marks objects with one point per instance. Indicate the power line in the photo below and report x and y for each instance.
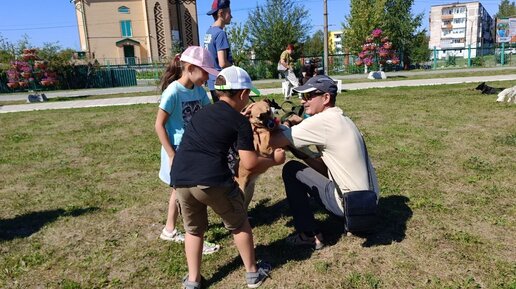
(39, 28)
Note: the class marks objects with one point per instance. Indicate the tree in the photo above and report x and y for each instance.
(402, 27)
(7, 50)
(364, 16)
(506, 9)
(314, 46)
(394, 17)
(419, 52)
(274, 25)
(238, 36)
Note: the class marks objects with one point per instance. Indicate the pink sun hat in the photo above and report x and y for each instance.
(199, 56)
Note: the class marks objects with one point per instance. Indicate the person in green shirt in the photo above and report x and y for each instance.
(286, 67)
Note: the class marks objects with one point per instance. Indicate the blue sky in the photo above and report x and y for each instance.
(55, 21)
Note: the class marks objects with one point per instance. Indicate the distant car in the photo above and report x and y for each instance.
(506, 51)
(510, 51)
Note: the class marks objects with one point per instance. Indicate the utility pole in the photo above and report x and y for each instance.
(325, 60)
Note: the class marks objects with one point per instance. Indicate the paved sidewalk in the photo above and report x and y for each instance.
(266, 91)
(80, 92)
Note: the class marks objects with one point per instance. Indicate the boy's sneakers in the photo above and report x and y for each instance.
(255, 279)
(190, 284)
(176, 236)
(209, 248)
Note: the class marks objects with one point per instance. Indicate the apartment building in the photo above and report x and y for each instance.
(135, 31)
(455, 27)
(335, 42)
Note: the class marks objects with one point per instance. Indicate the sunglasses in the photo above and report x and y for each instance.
(308, 96)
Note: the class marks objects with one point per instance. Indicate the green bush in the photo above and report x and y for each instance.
(451, 60)
(261, 70)
(478, 61)
(3, 80)
(506, 59)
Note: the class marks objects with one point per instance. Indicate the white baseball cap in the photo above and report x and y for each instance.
(236, 78)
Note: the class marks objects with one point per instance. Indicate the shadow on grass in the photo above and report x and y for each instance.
(261, 214)
(70, 98)
(393, 215)
(276, 253)
(25, 225)
(397, 76)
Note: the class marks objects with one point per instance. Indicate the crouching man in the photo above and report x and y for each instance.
(343, 169)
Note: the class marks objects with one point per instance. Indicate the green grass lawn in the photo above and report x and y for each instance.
(82, 205)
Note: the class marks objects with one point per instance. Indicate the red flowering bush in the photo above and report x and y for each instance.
(30, 71)
(377, 51)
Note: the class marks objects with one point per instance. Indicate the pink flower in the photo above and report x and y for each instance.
(359, 62)
(368, 61)
(385, 39)
(387, 45)
(377, 33)
(383, 52)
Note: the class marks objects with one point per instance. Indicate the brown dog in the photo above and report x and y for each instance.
(262, 122)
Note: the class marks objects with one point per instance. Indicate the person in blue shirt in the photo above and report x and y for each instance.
(183, 95)
(216, 40)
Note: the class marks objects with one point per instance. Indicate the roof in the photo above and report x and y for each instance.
(127, 41)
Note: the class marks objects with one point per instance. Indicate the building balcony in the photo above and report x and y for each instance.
(447, 17)
(452, 45)
(452, 36)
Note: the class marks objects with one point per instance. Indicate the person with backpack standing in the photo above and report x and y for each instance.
(182, 96)
(216, 40)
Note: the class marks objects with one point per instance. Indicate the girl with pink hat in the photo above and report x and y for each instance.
(182, 96)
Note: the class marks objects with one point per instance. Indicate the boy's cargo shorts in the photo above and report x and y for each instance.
(227, 202)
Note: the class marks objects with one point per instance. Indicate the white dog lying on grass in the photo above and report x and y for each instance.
(508, 94)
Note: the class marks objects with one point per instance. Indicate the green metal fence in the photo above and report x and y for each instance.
(473, 57)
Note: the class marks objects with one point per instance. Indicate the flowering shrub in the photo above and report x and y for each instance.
(377, 51)
(30, 71)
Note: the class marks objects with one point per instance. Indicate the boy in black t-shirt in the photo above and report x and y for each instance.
(202, 177)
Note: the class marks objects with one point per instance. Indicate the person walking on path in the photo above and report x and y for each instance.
(343, 165)
(203, 179)
(286, 67)
(182, 96)
(216, 40)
